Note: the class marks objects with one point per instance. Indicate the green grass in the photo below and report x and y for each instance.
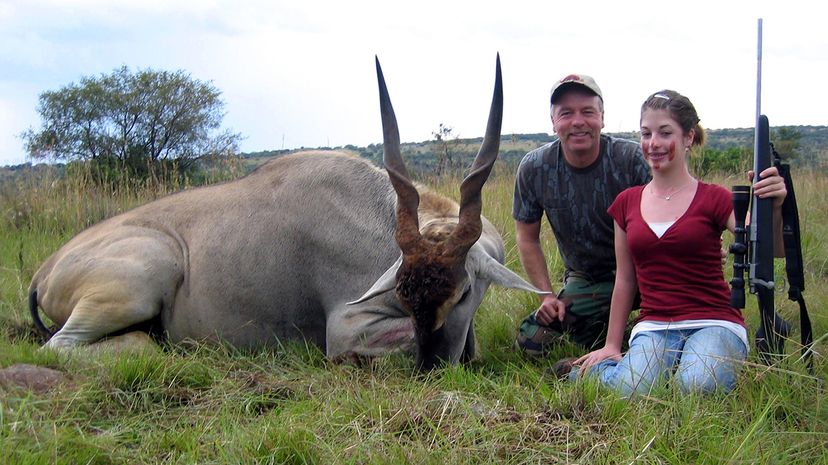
(205, 404)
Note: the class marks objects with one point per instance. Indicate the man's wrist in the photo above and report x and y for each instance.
(549, 297)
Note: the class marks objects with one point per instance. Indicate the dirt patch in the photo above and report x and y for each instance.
(32, 378)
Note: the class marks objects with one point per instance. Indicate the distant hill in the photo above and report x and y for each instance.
(812, 151)
(813, 140)
(813, 146)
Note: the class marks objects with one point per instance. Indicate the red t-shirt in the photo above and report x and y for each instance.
(680, 275)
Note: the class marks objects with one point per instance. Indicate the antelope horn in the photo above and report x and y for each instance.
(470, 226)
(408, 228)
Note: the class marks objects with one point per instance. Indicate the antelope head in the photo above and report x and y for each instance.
(434, 273)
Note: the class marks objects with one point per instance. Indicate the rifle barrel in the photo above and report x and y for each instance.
(759, 71)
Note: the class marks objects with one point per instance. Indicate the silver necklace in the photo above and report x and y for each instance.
(670, 195)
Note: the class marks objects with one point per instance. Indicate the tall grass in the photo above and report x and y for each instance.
(205, 404)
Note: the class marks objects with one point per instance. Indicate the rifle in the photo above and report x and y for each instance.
(756, 241)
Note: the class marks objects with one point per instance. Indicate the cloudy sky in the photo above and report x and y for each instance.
(300, 73)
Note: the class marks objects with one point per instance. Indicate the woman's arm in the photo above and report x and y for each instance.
(623, 294)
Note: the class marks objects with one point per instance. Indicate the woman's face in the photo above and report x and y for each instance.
(663, 142)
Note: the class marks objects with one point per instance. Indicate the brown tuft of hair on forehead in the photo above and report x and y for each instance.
(424, 284)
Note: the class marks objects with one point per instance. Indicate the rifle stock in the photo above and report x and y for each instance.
(753, 250)
(770, 337)
(761, 230)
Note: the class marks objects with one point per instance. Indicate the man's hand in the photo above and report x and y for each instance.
(550, 309)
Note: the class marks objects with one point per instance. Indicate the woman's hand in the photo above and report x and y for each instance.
(770, 185)
(596, 356)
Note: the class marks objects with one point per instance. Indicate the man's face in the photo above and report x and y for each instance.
(577, 119)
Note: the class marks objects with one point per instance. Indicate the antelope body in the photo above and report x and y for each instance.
(320, 246)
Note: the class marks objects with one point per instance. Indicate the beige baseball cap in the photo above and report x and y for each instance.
(575, 79)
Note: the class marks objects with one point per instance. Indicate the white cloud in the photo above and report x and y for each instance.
(302, 73)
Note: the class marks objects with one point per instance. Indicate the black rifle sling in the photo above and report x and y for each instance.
(793, 258)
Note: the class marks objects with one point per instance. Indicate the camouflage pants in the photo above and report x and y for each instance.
(587, 317)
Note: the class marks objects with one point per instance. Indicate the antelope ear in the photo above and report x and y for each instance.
(385, 283)
(490, 269)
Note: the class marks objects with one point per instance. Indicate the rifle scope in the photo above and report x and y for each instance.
(739, 248)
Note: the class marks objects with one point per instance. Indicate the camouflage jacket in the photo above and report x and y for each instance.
(576, 200)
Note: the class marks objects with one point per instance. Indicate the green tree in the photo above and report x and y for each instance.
(443, 151)
(139, 120)
(786, 141)
(730, 160)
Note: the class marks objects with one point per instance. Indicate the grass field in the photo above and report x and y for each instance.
(211, 405)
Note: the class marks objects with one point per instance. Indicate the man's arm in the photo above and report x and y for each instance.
(534, 263)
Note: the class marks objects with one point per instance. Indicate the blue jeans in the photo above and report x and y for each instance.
(701, 360)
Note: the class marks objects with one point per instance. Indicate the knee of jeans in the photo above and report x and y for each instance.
(624, 380)
(706, 381)
(634, 386)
